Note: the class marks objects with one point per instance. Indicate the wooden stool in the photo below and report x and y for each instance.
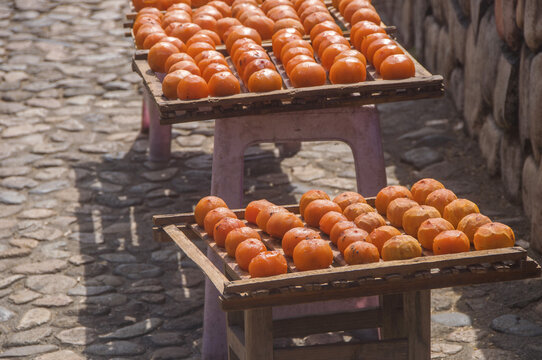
(357, 126)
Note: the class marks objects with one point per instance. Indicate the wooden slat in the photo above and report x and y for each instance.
(417, 307)
(377, 287)
(317, 324)
(378, 350)
(378, 269)
(187, 246)
(259, 334)
(393, 317)
(236, 341)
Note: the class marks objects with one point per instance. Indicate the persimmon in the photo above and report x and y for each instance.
(308, 74)
(293, 236)
(287, 30)
(351, 53)
(493, 236)
(401, 247)
(152, 39)
(309, 196)
(331, 40)
(365, 14)
(318, 208)
(175, 58)
(221, 6)
(200, 37)
(348, 198)
(389, 193)
(344, 3)
(244, 32)
(253, 209)
(338, 228)
(224, 24)
(171, 81)
(458, 209)
(279, 223)
(315, 18)
(354, 210)
(328, 56)
(294, 44)
(325, 26)
(269, 4)
(250, 14)
(239, 8)
(450, 242)
(265, 214)
(352, 7)
(369, 39)
(173, 40)
(312, 254)
(262, 24)
(311, 9)
(282, 40)
(213, 60)
(377, 45)
(207, 54)
(347, 71)
(267, 263)
(472, 222)
(224, 84)
(396, 208)
(298, 59)
(182, 5)
(380, 235)
(431, 228)
(177, 16)
(362, 29)
(396, 67)
(247, 250)
(214, 216)
(349, 236)
(264, 80)
(194, 49)
(361, 252)
(288, 23)
(212, 34)
(205, 22)
(237, 236)
(149, 11)
(369, 221)
(422, 188)
(143, 20)
(440, 198)
(415, 216)
(185, 31)
(192, 87)
(223, 228)
(317, 41)
(297, 3)
(282, 12)
(383, 53)
(293, 52)
(208, 10)
(185, 65)
(249, 56)
(198, 3)
(158, 55)
(329, 220)
(259, 64)
(144, 31)
(212, 69)
(314, 5)
(205, 205)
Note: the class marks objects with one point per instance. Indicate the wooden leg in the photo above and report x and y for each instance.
(259, 334)
(236, 346)
(393, 324)
(418, 323)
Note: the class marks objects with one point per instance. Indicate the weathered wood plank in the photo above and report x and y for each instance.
(259, 334)
(417, 309)
(381, 350)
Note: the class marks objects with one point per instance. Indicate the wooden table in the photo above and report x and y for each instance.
(403, 316)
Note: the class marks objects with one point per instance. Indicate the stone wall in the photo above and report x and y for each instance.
(490, 54)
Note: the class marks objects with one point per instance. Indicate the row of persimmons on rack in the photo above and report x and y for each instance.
(429, 215)
(182, 43)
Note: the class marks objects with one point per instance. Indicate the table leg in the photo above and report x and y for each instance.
(393, 326)
(259, 334)
(159, 135)
(418, 324)
(145, 112)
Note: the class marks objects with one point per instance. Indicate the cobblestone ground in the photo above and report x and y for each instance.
(80, 275)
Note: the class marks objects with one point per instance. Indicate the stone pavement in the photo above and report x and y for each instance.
(80, 277)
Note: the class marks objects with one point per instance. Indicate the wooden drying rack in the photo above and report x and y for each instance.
(403, 287)
(373, 91)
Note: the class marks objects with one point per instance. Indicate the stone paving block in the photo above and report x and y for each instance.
(532, 26)
(505, 94)
(505, 19)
